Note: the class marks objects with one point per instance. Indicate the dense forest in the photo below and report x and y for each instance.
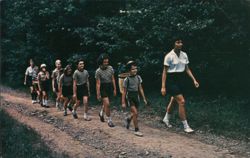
(216, 37)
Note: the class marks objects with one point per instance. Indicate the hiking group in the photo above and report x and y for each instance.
(72, 88)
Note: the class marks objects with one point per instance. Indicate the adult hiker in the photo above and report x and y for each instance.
(175, 65)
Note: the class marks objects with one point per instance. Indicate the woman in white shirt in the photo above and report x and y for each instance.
(175, 64)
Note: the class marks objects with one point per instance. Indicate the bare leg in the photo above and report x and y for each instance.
(85, 103)
(106, 104)
(182, 113)
(181, 102)
(134, 116)
(169, 109)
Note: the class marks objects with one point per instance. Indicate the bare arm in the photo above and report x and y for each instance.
(114, 85)
(47, 75)
(124, 97)
(25, 79)
(164, 78)
(39, 87)
(142, 93)
(74, 88)
(190, 74)
(60, 87)
(98, 85)
(88, 86)
(53, 84)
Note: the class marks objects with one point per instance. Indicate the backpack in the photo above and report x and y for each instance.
(128, 82)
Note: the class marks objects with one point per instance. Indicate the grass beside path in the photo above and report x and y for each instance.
(18, 140)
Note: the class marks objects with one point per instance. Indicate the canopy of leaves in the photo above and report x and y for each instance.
(216, 36)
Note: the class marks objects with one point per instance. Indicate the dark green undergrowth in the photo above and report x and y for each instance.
(20, 141)
(221, 115)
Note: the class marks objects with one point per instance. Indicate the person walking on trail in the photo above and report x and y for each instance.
(66, 88)
(105, 87)
(43, 84)
(30, 78)
(132, 86)
(56, 73)
(175, 64)
(81, 89)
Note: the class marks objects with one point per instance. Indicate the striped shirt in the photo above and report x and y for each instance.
(105, 76)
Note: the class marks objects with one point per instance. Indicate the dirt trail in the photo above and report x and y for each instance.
(79, 138)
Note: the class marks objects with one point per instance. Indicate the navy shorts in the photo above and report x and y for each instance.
(175, 83)
(44, 85)
(56, 86)
(29, 81)
(82, 91)
(132, 99)
(106, 90)
(67, 91)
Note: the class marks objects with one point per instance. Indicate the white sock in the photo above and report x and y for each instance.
(43, 102)
(167, 116)
(109, 119)
(125, 114)
(101, 112)
(85, 115)
(185, 124)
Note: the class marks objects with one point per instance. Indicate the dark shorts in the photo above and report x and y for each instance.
(106, 90)
(35, 86)
(29, 81)
(56, 86)
(175, 83)
(67, 91)
(132, 99)
(82, 90)
(44, 85)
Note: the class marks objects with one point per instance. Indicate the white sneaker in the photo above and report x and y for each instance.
(188, 130)
(33, 101)
(166, 121)
(139, 134)
(86, 118)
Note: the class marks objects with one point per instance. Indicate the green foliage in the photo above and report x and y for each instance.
(220, 115)
(215, 34)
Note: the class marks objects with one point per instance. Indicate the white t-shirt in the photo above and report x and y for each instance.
(32, 71)
(175, 63)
